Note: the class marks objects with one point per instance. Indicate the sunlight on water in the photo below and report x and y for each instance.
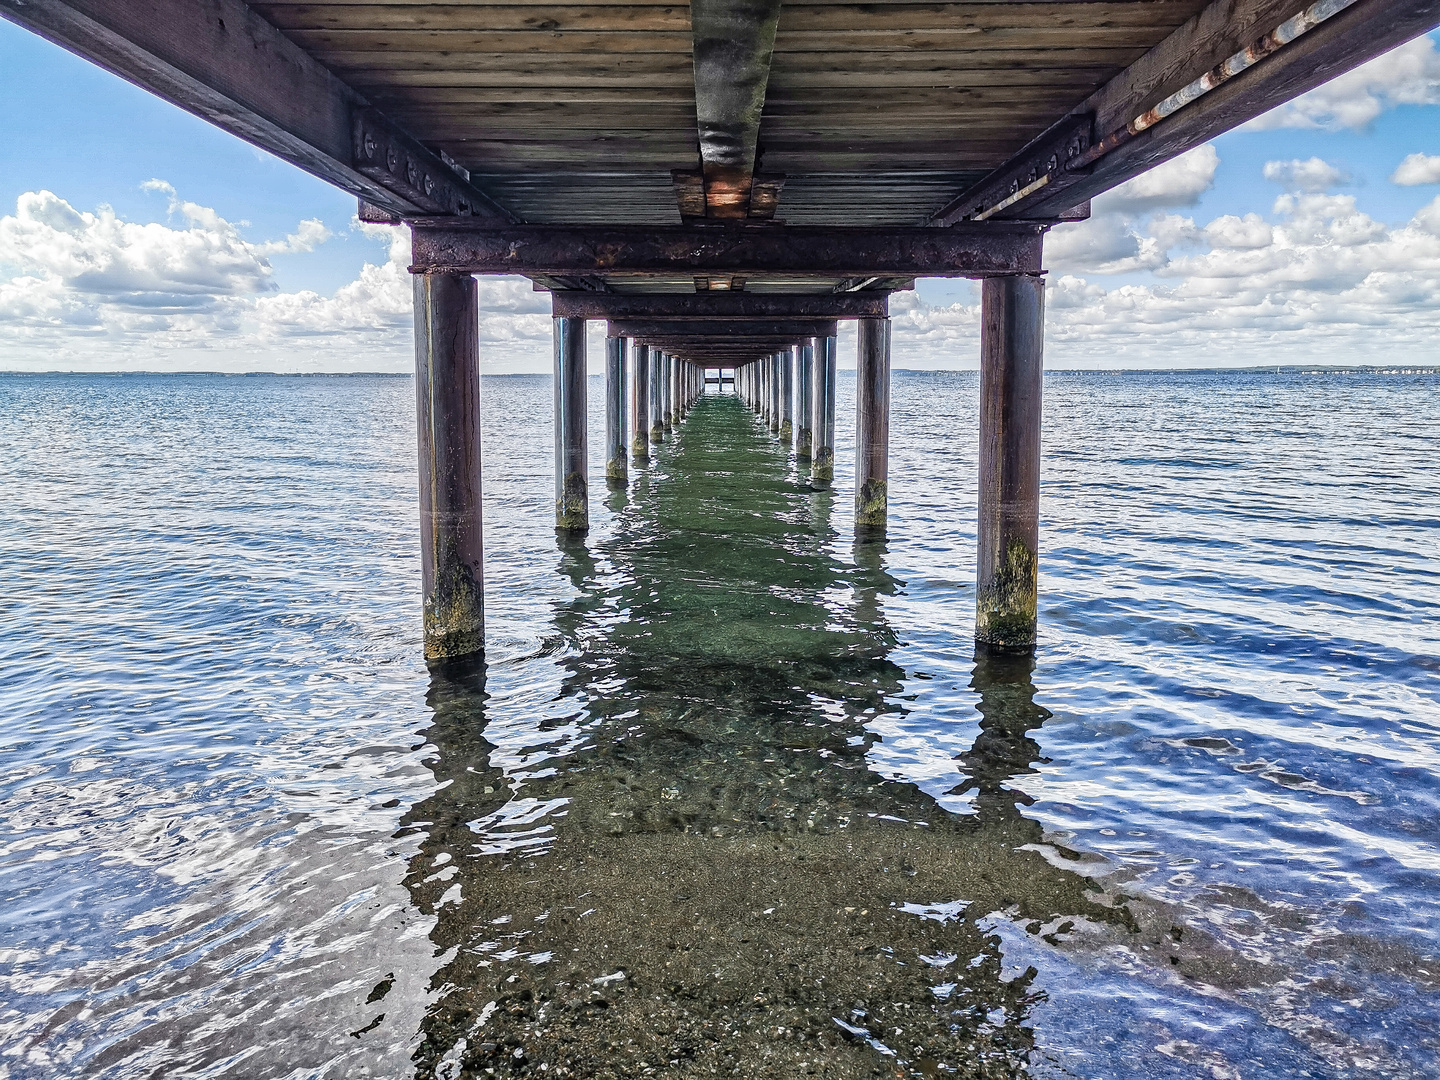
(731, 794)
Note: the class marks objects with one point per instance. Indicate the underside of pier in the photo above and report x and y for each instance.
(721, 181)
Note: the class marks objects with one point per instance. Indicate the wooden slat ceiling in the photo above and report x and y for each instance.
(876, 113)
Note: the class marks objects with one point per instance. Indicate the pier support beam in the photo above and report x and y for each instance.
(1012, 328)
(667, 392)
(677, 392)
(640, 404)
(822, 459)
(872, 425)
(787, 396)
(447, 412)
(657, 396)
(804, 399)
(572, 495)
(616, 470)
(774, 365)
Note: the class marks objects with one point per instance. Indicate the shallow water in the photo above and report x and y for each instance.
(730, 794)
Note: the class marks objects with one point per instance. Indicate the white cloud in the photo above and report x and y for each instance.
(1177, 182)
(1313, 174)
(1324, 283)
(1417, 169)
(1114, 240)
(100, 292)
(1409, 75)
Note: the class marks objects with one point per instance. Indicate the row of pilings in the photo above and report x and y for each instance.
(793, 391)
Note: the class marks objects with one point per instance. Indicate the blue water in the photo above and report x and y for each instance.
(730, 794)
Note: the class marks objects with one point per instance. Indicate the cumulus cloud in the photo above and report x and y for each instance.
(99, 291)
(1409, 75)
(1175, 183)
(1313, 175)
(1324, 283)
(1117, 238)
(1417, 169)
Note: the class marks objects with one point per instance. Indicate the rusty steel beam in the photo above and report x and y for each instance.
(975, 251)
(720, 305)
(1233, 61)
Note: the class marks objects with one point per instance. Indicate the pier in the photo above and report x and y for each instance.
(721, 183)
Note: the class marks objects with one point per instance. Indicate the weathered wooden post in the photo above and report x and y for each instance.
(787, 396)
(657, 396)
(804, 393)
(872, 425)
(616, 471)
(774, 403)
(667, 411)
(447, 413)
(677, 391)
(1012, 334)
(822, 460)
(640, 404)
(572, 496)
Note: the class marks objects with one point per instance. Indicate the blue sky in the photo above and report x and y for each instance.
(1157, 278)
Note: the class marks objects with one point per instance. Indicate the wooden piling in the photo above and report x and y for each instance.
(872, 425)
(572, 496)
(787, 397)
(804, 399)
(822, 460)
(775, 386)
(1012, 332)
(640, 404)
(447, 412)
(667, 393)
(677, 392)
(616, 469)
(657, 396)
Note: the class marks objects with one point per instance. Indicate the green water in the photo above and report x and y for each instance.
(723, 884)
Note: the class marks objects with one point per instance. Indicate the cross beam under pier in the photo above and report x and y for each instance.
(448, 245)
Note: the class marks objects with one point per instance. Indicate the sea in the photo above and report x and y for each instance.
(729, 794)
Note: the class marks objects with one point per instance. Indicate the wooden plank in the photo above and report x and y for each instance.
(493, 17)
(863, 42)
(732, 44)
(1039, 62)
(224, 63)
(444, 43)
(1164, 15)
(747, 250)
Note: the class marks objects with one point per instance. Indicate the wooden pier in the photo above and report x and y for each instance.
(721, 182)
